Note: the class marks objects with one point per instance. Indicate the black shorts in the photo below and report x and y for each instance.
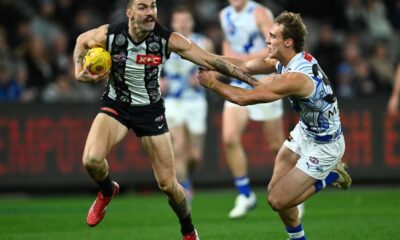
(148, 120)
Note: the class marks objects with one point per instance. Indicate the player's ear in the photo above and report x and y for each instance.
(128, 13)
(288, 42)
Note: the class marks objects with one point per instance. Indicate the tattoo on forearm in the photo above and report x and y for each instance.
(233, 71)
(77, 56)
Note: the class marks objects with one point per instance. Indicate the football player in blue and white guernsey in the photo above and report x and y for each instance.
(310, 158)
(185, 102)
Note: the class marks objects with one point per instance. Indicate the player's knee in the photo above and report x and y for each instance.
(275, 202)
(230, 141)
(275, 146)
(166, 186)
(92, 161)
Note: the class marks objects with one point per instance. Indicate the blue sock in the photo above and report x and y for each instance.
(296, 233)
(321, 184)
(187, 185)
(332, 177)
(243, 185)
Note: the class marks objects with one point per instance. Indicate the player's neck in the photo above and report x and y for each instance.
(287, 57)
(240, 8)
(137, 34)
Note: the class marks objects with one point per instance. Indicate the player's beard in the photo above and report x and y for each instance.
(144, 25)
(148, 24)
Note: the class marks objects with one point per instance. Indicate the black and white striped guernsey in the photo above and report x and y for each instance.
(136, 67)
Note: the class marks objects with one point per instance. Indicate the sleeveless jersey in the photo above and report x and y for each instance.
(240, 29)
(242, 33)
(178, 72)
(136, 67)
(319, 112)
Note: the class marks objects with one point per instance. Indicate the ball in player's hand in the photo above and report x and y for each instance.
(98, 60)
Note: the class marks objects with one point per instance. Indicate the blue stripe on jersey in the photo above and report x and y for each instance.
(250, 43)
(232, 27)
(251, 9)
(280, 67)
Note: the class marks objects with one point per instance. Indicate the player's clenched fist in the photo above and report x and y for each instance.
(206, 78)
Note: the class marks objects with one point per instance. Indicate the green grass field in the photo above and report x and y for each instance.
(333, 214)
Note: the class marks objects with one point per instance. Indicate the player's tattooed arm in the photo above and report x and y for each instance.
(188, 50)
(233, 71)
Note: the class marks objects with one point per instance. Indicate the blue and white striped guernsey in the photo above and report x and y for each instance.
(178, 73)
(241, 32)
(319, 112)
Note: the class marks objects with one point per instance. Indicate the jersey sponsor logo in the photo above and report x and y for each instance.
(119, 57)
(151, 60)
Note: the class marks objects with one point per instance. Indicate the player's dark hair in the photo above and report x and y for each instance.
(129, 3)
(294, 28)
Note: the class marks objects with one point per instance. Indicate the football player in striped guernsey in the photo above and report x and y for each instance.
(132, 99)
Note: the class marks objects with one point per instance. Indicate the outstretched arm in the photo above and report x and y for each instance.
(190, 51)
(393, 104)
(272, 89)
(93, 38)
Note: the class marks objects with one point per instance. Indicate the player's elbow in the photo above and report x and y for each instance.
(240, 100)
(80, 39)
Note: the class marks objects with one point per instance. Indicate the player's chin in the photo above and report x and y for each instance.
(149, 26)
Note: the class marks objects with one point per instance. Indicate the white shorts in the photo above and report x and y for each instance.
(262, 111)
(317, 160)
(192, 113)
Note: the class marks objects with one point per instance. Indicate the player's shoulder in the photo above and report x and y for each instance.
(261, 10)
(118, 27)
(226, 10)
(162, 30)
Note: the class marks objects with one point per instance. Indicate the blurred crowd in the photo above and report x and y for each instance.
(355, 41)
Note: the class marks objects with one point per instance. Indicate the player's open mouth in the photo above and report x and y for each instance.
(149, 20)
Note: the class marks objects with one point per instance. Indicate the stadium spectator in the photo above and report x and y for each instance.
(327, 51)
(10, 89)
(43, 24)
(378, 24)
(39, 67)
(61, 90)
(381, 66)
(310, 158)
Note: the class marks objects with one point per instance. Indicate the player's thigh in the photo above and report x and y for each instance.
(159, 150)
(289, 187)
(273, 130)
(196, 145)
(234, 121)
(285, 160)
(178, 138)
(104, 133)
